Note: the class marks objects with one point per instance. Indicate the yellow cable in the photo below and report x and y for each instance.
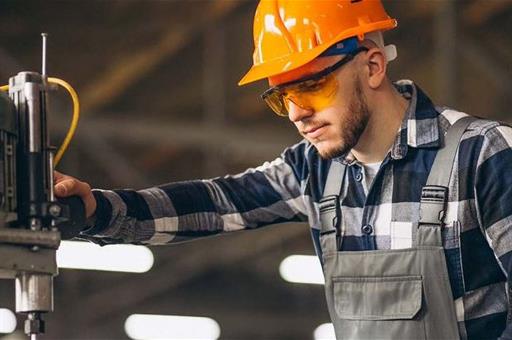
(74, 121)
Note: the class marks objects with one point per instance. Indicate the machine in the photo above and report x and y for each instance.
(32, 220)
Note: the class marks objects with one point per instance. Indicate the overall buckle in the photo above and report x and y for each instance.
(433, 204)
(330, 209)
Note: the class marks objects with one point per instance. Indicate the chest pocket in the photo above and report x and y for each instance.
(377, 298)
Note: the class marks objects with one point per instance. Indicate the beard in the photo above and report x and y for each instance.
(353, 124)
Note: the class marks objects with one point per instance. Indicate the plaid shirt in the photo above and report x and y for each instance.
(477, 242)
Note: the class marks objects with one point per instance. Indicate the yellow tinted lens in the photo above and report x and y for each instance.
(309, 94)
(315, 95)
(276, 102)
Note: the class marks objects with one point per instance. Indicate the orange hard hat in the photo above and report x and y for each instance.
(291, 33)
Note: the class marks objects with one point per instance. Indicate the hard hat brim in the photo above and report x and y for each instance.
(283, 65)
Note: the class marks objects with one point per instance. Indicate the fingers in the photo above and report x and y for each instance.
(71, 186)
(63, 186)
(57, 174)
(59, 177)
(66, 186)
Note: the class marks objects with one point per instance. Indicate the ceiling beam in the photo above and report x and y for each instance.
(257, 143)
(478, 12)
(445, 51)
(119, 168)
(480, 57)
(136, 64)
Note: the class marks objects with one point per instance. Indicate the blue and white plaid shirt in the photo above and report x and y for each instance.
(477, 236)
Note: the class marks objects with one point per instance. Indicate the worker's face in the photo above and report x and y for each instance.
(335, 129)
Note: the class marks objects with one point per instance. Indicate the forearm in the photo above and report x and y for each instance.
(150, 216)
(188, 210)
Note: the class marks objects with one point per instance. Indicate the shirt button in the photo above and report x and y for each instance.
(367, 229)
(359, 177)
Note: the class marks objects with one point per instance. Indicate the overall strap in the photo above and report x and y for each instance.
(330, 208)
(434, 195)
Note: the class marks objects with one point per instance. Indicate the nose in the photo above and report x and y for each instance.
(297, 113)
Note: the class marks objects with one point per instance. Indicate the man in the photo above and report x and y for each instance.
(409, 249)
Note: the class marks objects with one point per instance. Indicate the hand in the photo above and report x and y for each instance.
(66, 186)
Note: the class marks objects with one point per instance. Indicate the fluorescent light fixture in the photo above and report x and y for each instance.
(117, 258)
(324, 332)
(302, 269)
(7, 321)
(148, 326)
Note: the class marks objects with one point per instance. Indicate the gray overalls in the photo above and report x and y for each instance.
(392, 294)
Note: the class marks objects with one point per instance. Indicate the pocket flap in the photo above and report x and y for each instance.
(377, 298)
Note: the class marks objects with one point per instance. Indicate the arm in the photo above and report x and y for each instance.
(186, 210)
(493, 193)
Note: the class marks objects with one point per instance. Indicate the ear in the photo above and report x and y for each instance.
(377, 66)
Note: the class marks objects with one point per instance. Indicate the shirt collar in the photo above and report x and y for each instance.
(420, 127)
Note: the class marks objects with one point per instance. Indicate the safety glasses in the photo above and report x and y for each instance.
(311, 92)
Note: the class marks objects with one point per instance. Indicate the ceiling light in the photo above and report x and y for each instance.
(302, 269)
(324, 332)
(7, 321)
(118, 258)
(148, 326)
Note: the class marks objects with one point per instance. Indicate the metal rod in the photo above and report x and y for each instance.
(35, 237)
(43, 67)
(51, 167)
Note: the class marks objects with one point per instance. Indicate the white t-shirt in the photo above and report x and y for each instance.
(370, 171)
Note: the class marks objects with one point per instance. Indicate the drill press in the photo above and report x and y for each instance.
(32, 221)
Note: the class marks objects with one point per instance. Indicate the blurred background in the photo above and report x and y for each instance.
(160, 103)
